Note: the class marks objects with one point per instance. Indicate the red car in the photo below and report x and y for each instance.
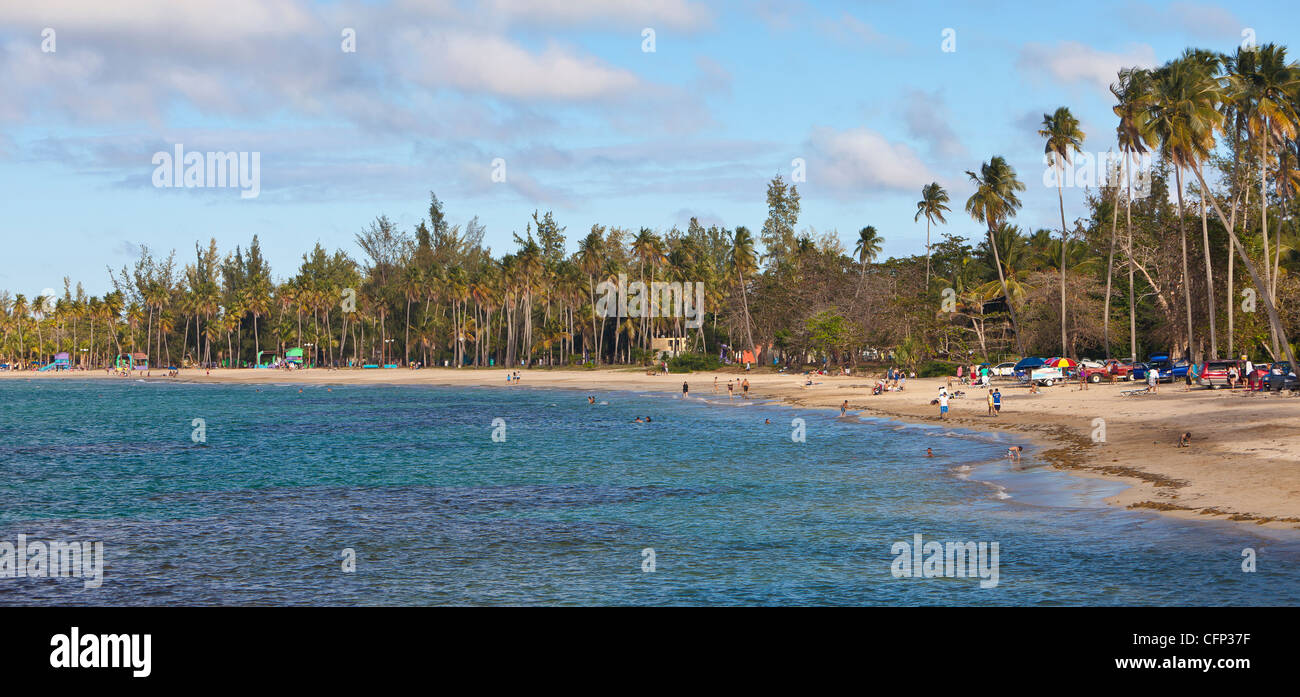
(1258, 378)
(1214, 374)
(1110, 367)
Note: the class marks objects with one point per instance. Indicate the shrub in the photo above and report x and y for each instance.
(936, 369)
(687, 362)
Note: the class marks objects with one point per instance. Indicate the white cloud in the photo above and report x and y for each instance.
(196, 21)
(858, 161)
(1072, 62)
(496, 65)
(675, 14)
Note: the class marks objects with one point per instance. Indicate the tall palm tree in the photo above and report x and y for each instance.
(993, 202)
(1131, 91)
(1209, 65)
(742, 260)
(1272, 87)
(1271, 117)
(1064, 137)
(591, 258)
(1181, 117)
(933, 205)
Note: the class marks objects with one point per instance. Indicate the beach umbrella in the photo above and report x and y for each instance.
(1062, 363)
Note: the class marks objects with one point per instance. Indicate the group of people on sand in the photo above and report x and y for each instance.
(513, 378)
(731, 387)
(974, 375)
(994, 401)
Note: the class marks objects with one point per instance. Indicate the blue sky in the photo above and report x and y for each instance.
(589, 125)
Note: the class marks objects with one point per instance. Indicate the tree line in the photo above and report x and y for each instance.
(1134, 272)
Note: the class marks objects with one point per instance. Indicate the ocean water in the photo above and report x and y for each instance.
(559, 512)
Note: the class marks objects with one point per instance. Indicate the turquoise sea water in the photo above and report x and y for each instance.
(437, 512)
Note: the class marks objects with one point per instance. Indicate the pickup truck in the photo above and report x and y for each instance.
(1107, 368)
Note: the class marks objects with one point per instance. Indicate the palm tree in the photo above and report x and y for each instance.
(742, 259)
(1181, 117)
(1131, 91)
(1272, 117)
(867, 246)
(591, 259)
(992, 203)
(932, 205)
(1064, 137)
(1271, 87)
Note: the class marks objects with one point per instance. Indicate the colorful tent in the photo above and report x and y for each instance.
(293, 355)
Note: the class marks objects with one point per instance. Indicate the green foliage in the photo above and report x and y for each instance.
(689, 362)
(828, 331)
(936, 369)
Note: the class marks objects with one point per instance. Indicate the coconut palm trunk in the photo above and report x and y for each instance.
(1060, 197)
(1006, 294)
(1260, 287)
(1110, 272)
(1209, 281)
(1132, 301)
(1182, 237)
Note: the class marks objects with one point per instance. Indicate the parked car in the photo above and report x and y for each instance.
(1261, 378)
(1169, 370)
(1105, 369)
(1004, 370)
(1091, 363)
(1138, 371)
(1121, 367)
(1214, 374)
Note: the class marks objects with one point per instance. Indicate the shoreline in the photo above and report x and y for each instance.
(1241, 466)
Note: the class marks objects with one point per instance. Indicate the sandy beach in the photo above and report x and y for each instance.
(1243, 463)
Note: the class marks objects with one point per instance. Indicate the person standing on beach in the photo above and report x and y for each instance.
(1153, 379)
(844, 407)
(715, 384)
(731, 390)
(744, 386)
(997, 402)
(943, 405)
(686, 390)
(989, 399)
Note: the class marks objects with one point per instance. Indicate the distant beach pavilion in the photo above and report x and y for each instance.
(132, 361)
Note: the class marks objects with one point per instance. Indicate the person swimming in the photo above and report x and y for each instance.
(591, 400)
(929, 452)
(767, 421)
(639, 420)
